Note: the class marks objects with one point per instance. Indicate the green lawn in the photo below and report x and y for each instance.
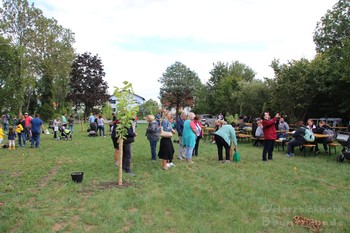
(37, 194)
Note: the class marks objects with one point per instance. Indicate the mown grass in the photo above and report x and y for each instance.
(37, 194)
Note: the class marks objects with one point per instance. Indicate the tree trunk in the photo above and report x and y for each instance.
(120, 178)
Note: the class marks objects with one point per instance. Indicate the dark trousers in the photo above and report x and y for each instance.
(220, 143)
(323, 141)
(294, 142)
(153, 145)
(269, 144)
(35, 138)
(19, 135)
(127, 157)
(195, 150)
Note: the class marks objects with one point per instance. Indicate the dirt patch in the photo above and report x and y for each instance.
(58, 227)
(127, 226)
(43, 182)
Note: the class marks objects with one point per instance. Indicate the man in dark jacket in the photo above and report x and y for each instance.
(298, 139)
(179, 129)
(127, 149)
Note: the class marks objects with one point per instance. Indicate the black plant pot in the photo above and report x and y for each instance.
(77, 177)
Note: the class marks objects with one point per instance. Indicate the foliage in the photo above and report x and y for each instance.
(8, 60)
(178, 86)
(107, 111)
(334, 28)
(87, 87)
(44, 54)
(150, 107)
(224, 86)
(126, 112)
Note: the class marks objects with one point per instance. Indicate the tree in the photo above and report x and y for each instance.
(150, 107)
(126, 112)
(334, 28)
(178, 86)
(8, 62)
(17, 20)
(87, 86)
(223, 87)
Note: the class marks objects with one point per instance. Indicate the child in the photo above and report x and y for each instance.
(11, 138)
(19, 129)
(56, 122)
(1, 134)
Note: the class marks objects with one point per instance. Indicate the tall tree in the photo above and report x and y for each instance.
(8, 74)
(178, 86)
(17, 19)
(334, 28)
(87, 86)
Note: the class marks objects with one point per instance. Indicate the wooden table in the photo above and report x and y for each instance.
(317, 135)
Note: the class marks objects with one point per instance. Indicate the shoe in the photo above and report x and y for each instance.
(180, 158)
(213, 142)
(130, 173)
(222, 161)
(288, 155)
(228, 161)
(317, 152)
(183, 157)
(264, 160)
(172, 165)
(269, 158)
(168, 165)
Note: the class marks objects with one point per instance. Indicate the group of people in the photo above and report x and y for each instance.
(97, 125)
(267, 128)
(189, 129)
(24, 128)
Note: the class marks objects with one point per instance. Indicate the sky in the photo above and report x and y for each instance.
(138, 39)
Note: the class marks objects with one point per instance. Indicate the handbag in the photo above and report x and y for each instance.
(236, 157)
(165, 134)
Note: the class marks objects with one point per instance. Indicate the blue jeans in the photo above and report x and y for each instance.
(36, 139)
(189, 152)
(101, 129)
(71, 128)
(153, 145)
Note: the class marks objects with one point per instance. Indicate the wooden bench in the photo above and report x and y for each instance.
(279, 143)
(259, 141)
(246, 137)
(310, 146)
(332, 145)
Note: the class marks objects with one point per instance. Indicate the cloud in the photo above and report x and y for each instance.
(138, 39)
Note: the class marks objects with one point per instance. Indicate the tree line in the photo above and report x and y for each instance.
(40, 71)
(300, 89)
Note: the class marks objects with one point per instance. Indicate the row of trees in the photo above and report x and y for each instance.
(40, 71)
(300, 89)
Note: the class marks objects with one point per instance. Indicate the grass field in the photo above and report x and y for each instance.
(37, 194)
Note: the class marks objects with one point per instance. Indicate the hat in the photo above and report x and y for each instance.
(26, 113)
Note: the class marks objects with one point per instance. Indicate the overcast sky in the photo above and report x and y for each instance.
(138, 39)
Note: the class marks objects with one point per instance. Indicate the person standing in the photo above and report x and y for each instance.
(19, 130)
(55, 125)
(199, 133)
(223, 138)
(11, 138)
(36, 126)
(27, 133)
(153, 134)
(91, 118)
(101, 126)
(189, 136)
(166, 148)
(71, 124)
(64, 120)
(269, 134)
(179, 129)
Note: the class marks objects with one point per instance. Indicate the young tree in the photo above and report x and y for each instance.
(126, 112)
(87, 86)
(178, 86)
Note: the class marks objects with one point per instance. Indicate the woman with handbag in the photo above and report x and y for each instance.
(166, 148)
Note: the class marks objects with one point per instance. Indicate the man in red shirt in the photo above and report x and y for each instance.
(27, 132)
(270, 135)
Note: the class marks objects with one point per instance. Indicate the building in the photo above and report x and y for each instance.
(139, 100)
